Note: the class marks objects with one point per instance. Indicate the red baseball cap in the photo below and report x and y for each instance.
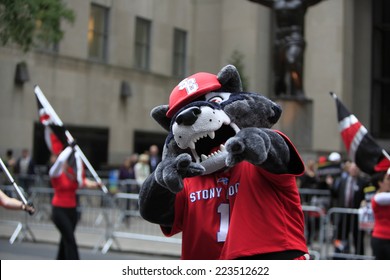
(191, 88)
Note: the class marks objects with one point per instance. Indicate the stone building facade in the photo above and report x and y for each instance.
(120, 58)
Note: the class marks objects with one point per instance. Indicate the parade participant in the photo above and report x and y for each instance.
(66, 176)
(380, 239)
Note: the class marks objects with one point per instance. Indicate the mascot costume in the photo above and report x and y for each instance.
(226, 180)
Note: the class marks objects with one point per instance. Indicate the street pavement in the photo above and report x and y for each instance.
(39, 242)
(27, 250)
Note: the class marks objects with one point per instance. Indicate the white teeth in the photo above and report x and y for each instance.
(196, 139)
(191, 145)
(235, 127)
(211, 134)
(222, 148)
(196, 157)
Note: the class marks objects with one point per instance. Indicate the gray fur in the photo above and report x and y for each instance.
(159, 115)
(171, 171)
(262, 147)
(255, 142)
(253, 110)
(230, 79)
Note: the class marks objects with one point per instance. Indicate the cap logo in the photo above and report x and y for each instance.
(189, 84)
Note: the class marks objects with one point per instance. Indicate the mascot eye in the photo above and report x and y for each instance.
(216, 99)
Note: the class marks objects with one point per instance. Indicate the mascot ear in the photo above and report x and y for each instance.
(159, 115)
(230, 79)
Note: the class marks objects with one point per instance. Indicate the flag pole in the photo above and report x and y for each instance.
(56, 119)
(18, 191)
(386, 154)
(333, 94)
(11, 179)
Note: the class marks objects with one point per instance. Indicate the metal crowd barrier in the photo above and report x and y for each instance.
(112, 217)
(115, 217)
(315, 197)
(346, 240)
(18, 219)
(314, 230)
(332, 233)
(129, 224)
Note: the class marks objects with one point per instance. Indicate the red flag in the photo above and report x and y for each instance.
(55, 137)
(360, 145)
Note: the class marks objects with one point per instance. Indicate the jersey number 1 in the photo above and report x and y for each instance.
(224, 211)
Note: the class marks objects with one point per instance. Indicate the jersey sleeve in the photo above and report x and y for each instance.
(280, 180)
(296, 166)
(382, 198)
(56, 169)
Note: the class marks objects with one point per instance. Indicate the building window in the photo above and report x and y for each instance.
(380, 99)
(98, 33)
(179, 53)
(142, 43)
(143, 140)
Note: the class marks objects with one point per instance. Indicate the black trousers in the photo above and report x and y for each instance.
(380, 248)
(65, 219)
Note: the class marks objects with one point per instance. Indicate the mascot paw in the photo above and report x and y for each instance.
(186, 167)
(171, 171)
(250, 144)
(235, 147)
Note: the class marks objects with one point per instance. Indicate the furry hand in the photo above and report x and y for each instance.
(171, 171)
(250, 144)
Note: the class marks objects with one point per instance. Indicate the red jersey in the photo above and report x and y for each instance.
(382, 220)
(239, 212)
(64, 191)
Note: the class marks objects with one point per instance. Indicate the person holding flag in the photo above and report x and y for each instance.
(66, 176)
(380, 238)
(57, 136)
(14, 204)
